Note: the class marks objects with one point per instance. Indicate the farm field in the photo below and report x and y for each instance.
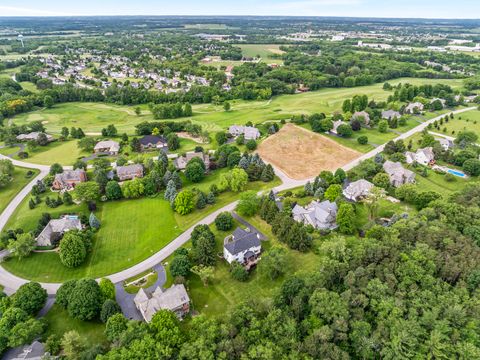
(92, 117)
(20, 179)
(302, 154)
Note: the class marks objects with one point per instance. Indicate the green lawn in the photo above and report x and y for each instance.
(59, 322)
(92, 117)
(264, 50)
(131, 231)
(436, 182)
(65, 153)
(19, 181)
(469, 120)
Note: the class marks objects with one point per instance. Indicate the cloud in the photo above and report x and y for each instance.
(19, 11)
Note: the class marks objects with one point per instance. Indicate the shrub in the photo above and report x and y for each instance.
(109, 308)
(238, 272)
(224, 221)
(362, 140)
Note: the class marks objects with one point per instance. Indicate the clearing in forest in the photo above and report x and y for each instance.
(302, 154)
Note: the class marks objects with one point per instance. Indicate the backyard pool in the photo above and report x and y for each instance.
(456, 173)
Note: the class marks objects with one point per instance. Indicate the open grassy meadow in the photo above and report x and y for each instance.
(20, 179)
(92, 117)
(62, 152)
(469, 120)
(265, 51)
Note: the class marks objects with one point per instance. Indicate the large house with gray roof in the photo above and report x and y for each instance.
(242, 246)
(248, 132)
(390, 114)
(362, 115)
(33, 136)
(414, 107)
(153, 142)
(174, 299)
(357, 190)
(423, 156)
(107, 147)
(397, 174)
(321, 215)
(182, 161)
(55, 229)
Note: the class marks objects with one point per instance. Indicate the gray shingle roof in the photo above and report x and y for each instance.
(242, 240)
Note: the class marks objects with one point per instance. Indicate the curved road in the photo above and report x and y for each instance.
(12, 282)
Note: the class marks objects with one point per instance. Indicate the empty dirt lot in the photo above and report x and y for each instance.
(302, 154)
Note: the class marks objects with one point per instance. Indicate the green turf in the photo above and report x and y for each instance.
(265, 51)
(19, 181)
(469, 120)
(59, 322)
(92, 117)
(65, 153)
(131, 231)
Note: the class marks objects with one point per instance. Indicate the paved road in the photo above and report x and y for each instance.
(12, 282)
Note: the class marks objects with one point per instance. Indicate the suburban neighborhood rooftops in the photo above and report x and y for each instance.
(249, 132)
(71, 175)
(33, 136)
(357, 189)
(58, 226)
(390, 114)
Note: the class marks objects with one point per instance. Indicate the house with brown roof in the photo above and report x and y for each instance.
(129, 172)
(68, 179)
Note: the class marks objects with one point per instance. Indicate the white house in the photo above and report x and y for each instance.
(242, 246)
(321, 215)
(445, 143)
(422, 156)
(357, 190)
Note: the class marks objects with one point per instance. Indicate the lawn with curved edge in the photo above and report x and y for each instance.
(131, 231)
(20, 179)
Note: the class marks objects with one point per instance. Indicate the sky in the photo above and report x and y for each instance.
(354, 8)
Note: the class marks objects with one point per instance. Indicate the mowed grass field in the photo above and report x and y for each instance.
(92, 117)
(131, 231)
(265, 51)
(469, 120)
(64, 153)
(7, 193)
(303, 154)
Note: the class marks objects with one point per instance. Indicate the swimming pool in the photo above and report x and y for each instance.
(456, 173)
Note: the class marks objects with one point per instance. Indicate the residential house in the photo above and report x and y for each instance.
(412, 108)
(55, 229)
(390, 114)
(68, 179)
(357, 190)
(398, 174)
(242, 246)
(107, 147)
(129, 172)
(182, 161)
(33, 136)
(422, 156)
(445, 143)
(174, 299)
(321, 215)
(362, 116)
(153, 142)
(248, 132)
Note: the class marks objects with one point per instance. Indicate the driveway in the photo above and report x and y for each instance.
(125, 300)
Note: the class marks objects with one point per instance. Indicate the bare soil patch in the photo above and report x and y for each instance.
(302, 154)
(186, 135)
